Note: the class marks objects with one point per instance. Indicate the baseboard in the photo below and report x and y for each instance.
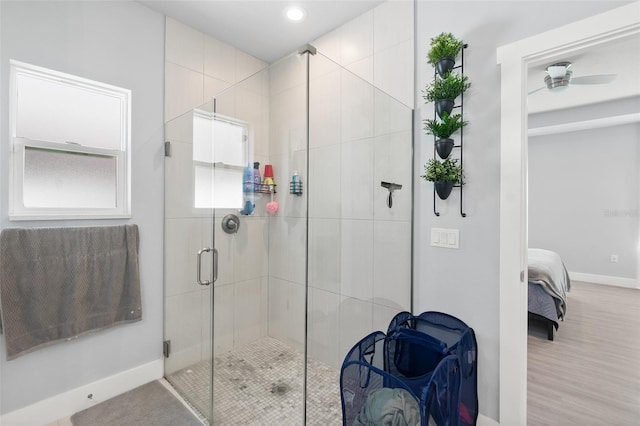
(486, 421)
(604, 279)
(70, 402)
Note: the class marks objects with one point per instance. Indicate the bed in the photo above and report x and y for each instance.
(548, 285)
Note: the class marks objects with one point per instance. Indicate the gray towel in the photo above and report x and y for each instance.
(59, 283)
(389, 407)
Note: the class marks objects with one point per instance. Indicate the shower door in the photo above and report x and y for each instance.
(235, 273)
(205, 157)
(189, 258)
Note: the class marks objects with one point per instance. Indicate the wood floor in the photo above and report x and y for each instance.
(590, 374)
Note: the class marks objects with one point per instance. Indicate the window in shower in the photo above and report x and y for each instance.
(70, 146)
(219, 155)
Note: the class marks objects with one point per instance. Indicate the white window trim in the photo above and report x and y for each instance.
(17, 210)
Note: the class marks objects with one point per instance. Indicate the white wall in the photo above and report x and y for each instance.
(465, 282)
(583, 191)
(119, 43)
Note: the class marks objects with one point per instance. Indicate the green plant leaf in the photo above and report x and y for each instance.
(446, 127)
(443, 171)
(442, 46)
(449, 87)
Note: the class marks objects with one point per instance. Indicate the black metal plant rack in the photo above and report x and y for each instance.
(459, 106)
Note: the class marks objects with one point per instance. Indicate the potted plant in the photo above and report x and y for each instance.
(443, 130)
(444, 50)
(444, 91)
(443, 174)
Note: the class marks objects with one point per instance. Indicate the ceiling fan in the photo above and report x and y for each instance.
(559, 77)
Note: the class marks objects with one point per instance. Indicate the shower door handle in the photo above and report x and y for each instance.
(199, 265)
(215, 265)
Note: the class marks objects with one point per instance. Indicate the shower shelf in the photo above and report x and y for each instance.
(261, 188)
(295, 188)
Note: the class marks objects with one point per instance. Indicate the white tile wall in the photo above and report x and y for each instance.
(250, 249)
(324, 182)
(184, 236)
(183, 45)
(357, 179)
(324, 109)
(183, 90)
(219, 60)
(393, 69)
(324, 326)
(247, 310)
(393, 153)
(356, 321)
(356, 39)
(378, 47)
(392, 263)
(393, 24)
(325, 254)
(286, 312)
(223, 321)
(357, 259)
(356, 107)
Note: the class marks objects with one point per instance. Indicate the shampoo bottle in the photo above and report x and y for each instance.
(257, 179)
(247, 179)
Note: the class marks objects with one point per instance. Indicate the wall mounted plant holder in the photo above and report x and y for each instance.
(445, 65)
(443, 189)
(444, 105)
(444, 147)
(457, 84)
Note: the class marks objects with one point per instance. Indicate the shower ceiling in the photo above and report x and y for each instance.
(261, 28)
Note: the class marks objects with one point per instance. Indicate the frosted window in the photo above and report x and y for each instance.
(219, 154)
(228, 143)
(52, 111)
(70, 144)
(218, 141)
(59, 179)
(202, 139)
(218, 187)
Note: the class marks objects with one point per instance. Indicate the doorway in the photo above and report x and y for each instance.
(514, 59)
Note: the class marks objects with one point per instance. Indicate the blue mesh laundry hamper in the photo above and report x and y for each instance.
(413, 375)
(460, 341)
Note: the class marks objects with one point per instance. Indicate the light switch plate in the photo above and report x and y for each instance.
(449, 238)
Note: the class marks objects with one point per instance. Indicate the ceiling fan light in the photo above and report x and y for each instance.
(556, 71)
(560, 83)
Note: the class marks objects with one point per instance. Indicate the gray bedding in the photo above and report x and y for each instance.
(542, 304)
(547, 275)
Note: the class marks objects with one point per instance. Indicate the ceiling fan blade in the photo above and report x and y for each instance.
(594, 79)
(536, 90)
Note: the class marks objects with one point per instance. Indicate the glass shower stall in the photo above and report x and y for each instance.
(267, 286)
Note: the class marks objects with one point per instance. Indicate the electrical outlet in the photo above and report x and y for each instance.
(614, 258)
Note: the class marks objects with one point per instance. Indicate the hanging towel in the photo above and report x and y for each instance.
(59, 283)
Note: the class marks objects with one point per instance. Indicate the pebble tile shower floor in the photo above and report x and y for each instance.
(261, 383)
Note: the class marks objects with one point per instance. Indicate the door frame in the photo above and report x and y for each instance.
(515, 58)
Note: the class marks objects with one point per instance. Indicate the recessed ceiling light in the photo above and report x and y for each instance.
(294, 13)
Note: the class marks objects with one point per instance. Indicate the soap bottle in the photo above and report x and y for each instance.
(247, 179)
(257, 179)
